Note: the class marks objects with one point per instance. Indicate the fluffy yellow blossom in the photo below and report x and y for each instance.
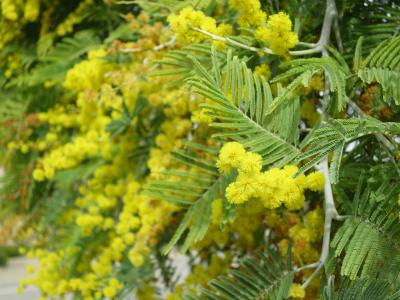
(112, 289)
(9, 9)
(230, 155)
(249, 163)
(297, 291)
(273, 187)
(73, 18)
(135, 258)
(263, 70)
(278, 33)
(201, 116)
(315, 181)
(223, 30)
(250, 13)
(38, 175)
(243, 189)
(88, 74)
(31, 10)
(277, 186)
(182, 23)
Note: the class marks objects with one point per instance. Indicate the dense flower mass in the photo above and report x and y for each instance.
(250, 12)
(273, 187)
(277, 32)
(197, 149)
(183, 25)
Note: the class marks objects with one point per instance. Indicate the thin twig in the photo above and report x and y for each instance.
(330, 209)
(155, 48)
(315, 48)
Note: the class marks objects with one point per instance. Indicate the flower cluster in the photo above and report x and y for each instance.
(273, 187)
(73, 18)
(31, 10)
(250, 12)
(297, 291)
(88, 74)
(188, 18)
(12, 10)
(278, 33)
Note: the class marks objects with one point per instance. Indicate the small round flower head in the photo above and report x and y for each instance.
(250, 13)
(278, 33)
(250, 163)
(263, 70)
(241, 190)
(297, 291)
(266, 189)
(293, 198)
(182, 23)
(230, 155)
(315, 181)
(38, 175)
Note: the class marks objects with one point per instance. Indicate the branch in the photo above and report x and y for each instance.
(330, 208)
(155, 48)
(315, 48)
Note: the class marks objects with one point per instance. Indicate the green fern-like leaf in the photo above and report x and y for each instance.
(360, 289)
(194, 191)
(240, 103)
(57, 60)
(383, 66)
(304, 69)
(334, 136)
(368, 239)
(262, 277)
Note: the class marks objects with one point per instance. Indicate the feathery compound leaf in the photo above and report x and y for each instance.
(12, 109)
(368, 239)
(334, 136)
(304, 69)
(180, 62)
(261, 277)
(194, 191)
(383, 66)
(237, 110)
(360, 289)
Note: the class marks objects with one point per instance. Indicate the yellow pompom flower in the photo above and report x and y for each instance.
(9, 10)
(250, 163)
(263, 70)
(297, 291)
(278, 33)
(230, 155)
(31, 11)
(135, 258)
(240, 191)
(250, 13)
(38, 175)
(182, 25)
(315, 181)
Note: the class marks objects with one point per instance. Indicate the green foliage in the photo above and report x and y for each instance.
(265, 276)
(360, 289)
(334, 137)
(196, 195)
(55, 60)
(368, 239)
(383, 66)
(305, 69)
(240, 105)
